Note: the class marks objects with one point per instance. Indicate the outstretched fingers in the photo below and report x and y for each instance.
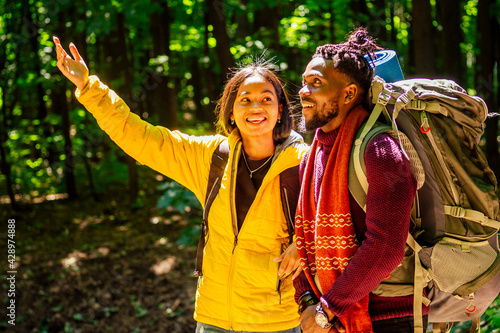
(74, 68)
(60, 53)
(74, 52)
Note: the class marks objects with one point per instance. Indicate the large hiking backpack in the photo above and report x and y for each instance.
(453, 247)
(290, 188)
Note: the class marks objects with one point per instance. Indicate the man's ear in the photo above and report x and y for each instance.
(351, 92)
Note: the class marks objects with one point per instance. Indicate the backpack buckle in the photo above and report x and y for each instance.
(384, 97)
(403, 99)
(418, 104)
(457, 211)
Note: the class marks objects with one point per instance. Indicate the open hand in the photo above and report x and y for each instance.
(289, 262)
(74, 68)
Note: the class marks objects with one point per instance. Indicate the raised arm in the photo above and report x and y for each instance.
(184, 158)
(74, 68)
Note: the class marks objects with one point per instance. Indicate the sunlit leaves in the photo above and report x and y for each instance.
(160, 64)
(471, 8)
(188, 38)
(34, 164)
(212, 42)
(295, 30)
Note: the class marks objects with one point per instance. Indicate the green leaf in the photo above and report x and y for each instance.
(58, 308)
(78, 316)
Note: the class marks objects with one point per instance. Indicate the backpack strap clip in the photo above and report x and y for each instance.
(418, 104)
(455, 211)
(425, 127)
(402, 101)
(471, 215)
(384, 97)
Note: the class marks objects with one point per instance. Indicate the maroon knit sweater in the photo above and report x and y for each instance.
(381, 232)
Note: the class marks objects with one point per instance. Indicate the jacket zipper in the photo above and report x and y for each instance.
(209, 196)
(288, 210)
(279, 281)
(235, 230)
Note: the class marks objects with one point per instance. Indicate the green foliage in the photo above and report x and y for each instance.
(183, 201)
(190, 234)
(140, 311)
(36, 143)
(492, 318)
(178, 197)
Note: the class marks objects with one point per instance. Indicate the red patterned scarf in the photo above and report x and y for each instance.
(326, 238)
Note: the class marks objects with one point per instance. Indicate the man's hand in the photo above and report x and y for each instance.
(308, 323)
(74, 69)
(289, 262)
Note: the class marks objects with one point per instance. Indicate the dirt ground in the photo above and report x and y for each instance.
(98, 266)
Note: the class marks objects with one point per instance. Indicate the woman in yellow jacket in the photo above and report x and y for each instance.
(247, 227)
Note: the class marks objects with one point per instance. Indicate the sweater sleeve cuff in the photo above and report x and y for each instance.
(301, 285)
(327, 305)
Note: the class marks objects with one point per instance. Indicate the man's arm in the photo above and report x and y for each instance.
(391, 191)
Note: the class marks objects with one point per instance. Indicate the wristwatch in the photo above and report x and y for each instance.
(322, 318)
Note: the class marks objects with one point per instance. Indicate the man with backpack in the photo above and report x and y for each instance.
(346, 252)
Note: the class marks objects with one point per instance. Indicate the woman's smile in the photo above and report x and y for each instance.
(256, 109)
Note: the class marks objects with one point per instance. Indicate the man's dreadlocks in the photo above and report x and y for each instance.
(348, 57)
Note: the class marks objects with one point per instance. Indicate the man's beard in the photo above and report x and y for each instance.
(320, 118)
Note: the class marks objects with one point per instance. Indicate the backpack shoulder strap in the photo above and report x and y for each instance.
(290, 189)
(219, 161)
(357, 182)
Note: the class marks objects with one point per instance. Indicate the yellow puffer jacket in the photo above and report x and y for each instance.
(238, 288)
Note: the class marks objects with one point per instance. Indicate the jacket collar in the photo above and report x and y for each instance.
(282, 160)
(293, 140)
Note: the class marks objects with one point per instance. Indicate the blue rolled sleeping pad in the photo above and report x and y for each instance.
(386, 65)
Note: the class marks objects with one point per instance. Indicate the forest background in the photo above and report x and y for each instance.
(104, 244)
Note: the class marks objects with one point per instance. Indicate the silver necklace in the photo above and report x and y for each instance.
(248, 167)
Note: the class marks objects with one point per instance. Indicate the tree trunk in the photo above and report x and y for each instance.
(42, 110)
(162, 94)
(210, 76)
(268, 19)
(243, 21)
(376, 26)
(4, 163)
(423, 33)
(392, 34)
(216, 18)
(451, 37)
(60, 106)
(123, 61)
(487, 25)
(202, 112)
(8, 100)
(361, 11)
(331, 22)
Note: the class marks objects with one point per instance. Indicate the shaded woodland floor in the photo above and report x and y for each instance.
(98, 266)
